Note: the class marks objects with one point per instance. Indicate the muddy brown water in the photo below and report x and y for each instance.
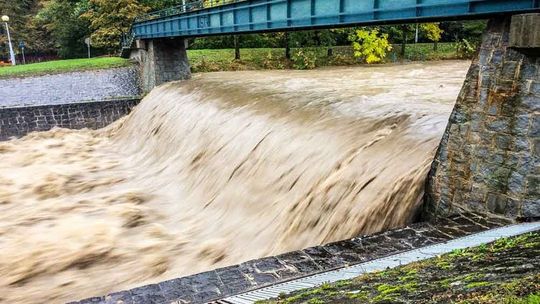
(218, 170)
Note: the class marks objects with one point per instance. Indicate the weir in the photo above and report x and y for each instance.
(297, 164)
(485, 176)
(487, 161)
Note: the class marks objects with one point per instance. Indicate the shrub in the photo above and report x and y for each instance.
(370, 46)
(271, 62)
(304, 59)
(465, 49)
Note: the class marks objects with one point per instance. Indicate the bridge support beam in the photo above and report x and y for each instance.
(161, 61)
(489, 158)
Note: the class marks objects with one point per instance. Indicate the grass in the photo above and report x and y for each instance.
(274, 58)
(62, 66)
(251, 59)
(505, 271)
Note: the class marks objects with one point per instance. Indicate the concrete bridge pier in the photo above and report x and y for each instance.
(161, 60)
(489, 158)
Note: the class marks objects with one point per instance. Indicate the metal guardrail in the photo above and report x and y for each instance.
(225, 17)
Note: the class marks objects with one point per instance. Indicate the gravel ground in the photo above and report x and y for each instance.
(70, 87)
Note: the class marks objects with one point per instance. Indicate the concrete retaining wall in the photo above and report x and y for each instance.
(19, 121)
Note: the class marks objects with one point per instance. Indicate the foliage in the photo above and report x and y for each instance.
(109, 20)
(61, 26)
(61, 19)
(432, 31)
(23, 27)
(272, 62)
(470, 30)
(370, 46)
(274, 58)
(304, 59)
(465, 49)
(62, 66)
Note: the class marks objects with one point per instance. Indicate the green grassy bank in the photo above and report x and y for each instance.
(504, 272)
(62, 66)
(274, 58)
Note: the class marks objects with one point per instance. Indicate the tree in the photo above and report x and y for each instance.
(109, 20)
(433, 32)
(370, 46)
(327, 38)
(61, 18)
(236, 47)
(23, 26)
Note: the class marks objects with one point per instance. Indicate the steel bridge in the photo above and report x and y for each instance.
(212, 17)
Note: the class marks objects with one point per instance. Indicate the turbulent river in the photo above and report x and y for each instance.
(214, 171)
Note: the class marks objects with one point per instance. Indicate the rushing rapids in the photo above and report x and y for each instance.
(218, 170)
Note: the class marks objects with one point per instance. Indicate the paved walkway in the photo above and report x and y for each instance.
(70, 87)
(256, 274)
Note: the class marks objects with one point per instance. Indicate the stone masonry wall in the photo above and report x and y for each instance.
(19, 121)
(489, 158)
(107, 84)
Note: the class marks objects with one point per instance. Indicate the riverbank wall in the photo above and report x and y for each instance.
(19, 121)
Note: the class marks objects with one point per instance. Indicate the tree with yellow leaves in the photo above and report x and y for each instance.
(433, 32)
(370, 45)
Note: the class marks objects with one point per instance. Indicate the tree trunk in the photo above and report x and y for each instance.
(236, 48)
(287, 46)
(330, 52)
(403, 41)
(435, 46)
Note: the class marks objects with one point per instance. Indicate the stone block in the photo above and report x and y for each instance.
(531, 208)
(525, 32)
(496, 203)
(516, 184)
(533, 186)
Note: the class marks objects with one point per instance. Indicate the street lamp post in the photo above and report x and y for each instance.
(5, 19)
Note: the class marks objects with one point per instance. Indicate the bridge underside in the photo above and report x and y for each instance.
(254, 16)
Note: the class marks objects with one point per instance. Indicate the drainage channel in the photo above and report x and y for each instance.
(381, 264)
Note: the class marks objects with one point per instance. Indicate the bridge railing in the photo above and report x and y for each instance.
(226, 17)
(184, 8)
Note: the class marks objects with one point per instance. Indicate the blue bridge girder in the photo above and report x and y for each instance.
(253, 16)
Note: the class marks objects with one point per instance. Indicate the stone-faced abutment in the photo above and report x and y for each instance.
(489, 158)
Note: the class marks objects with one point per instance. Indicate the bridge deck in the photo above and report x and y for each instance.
(252, 16)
